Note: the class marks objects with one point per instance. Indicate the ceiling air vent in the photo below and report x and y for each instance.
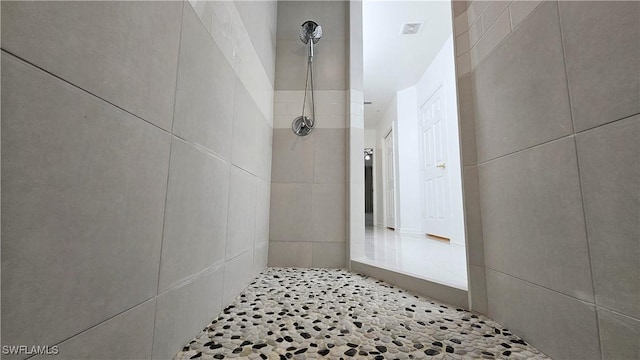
(411, 28)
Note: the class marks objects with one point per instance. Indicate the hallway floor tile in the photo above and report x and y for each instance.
(289, 313)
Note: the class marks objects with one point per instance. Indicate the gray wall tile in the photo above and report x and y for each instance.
(602, 51)
(329, 255)
(195, 229)
(238, 273)
(532, 218)
(185, 310)
(618, 336)
(291, 214)
(330, 152)
(521, 90)
(292, 157)
(263, 199)
(132, 65)
(259, 18)
(246, 120)
(242, 212)
(264, 149)
(260, 258)
(291, 14)
(205, 89)
(558, 325)
(473, 218)
(291, 65)
(83, 193)
(478, 289)
(466, 119)
(610, 176)
(125, 336)
(290, 254)
(329, 213)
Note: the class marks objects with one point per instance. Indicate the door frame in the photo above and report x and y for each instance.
(390, 131)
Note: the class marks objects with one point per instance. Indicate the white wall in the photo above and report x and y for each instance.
(442, 71)
(409, 206)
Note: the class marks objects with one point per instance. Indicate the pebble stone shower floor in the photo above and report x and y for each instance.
(289, 313)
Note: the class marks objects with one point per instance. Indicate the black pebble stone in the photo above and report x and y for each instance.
(449, 349)
(245, 343)
(352, 345)
(323, 352)
(196, 356)
(431, 352)
(215, 346)
(351, 352)
(218, 356)
(237, 350)
(288, 338)
(456, 341)
(436, 343)
(259, 346)
(305, 335)
(397, 342)
(303, 350)
(381, 348)
(379, 357)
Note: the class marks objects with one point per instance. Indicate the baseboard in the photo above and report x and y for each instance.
(411, 231)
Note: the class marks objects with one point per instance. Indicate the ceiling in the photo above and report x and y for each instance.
(393, 61)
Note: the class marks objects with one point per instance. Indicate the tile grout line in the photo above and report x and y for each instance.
(552, 140)
(166, 192)
(542, 286)
(98, 324)
(577, 155)
(77, 87)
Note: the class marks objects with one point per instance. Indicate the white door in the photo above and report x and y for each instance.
(391, 181)
(436, 218)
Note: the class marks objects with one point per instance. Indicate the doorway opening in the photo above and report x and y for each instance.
(368, 187)
(413, 187)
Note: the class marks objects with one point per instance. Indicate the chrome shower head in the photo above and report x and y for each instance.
(310, 30)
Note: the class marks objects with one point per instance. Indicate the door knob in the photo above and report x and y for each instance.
(442, 166)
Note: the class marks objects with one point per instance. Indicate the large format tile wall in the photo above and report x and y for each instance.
(549, 108)
(308, 223)
(136, 168)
